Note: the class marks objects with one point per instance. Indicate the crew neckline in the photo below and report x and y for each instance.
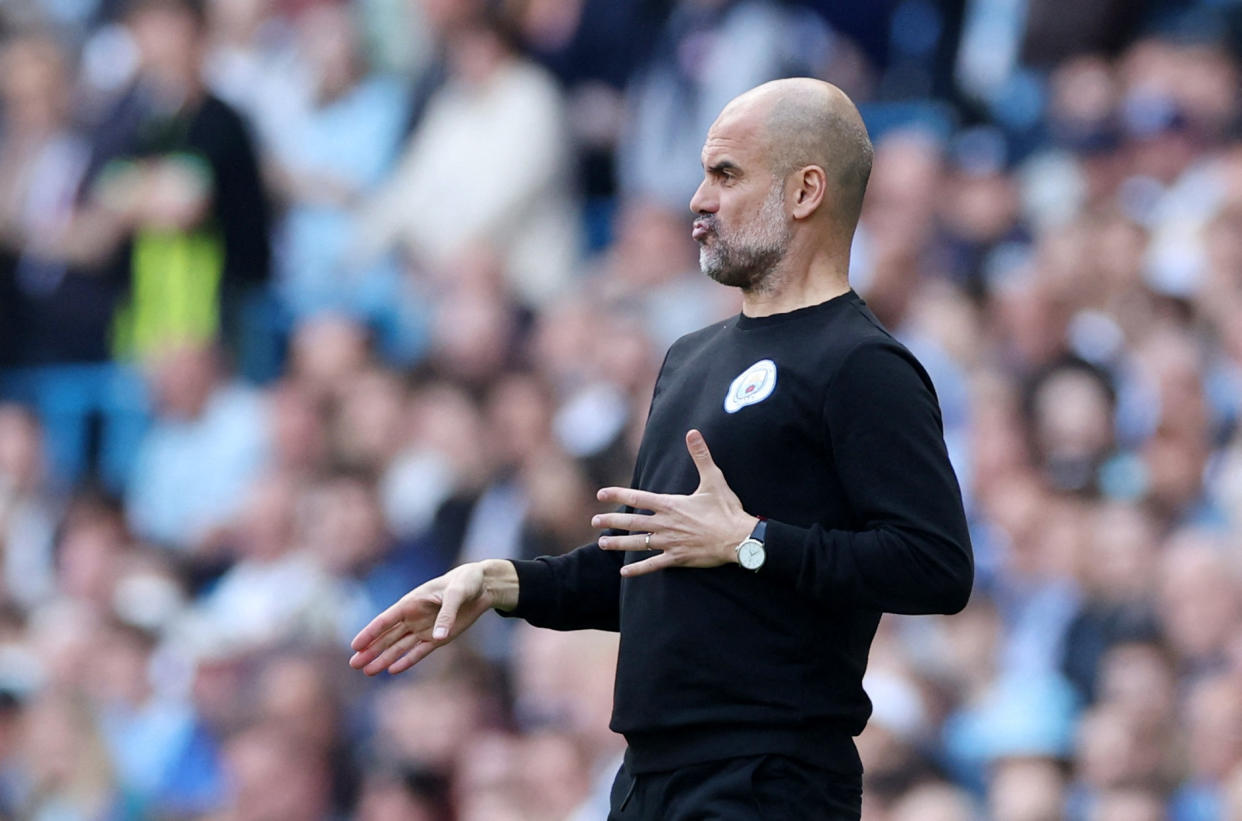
(751, 323)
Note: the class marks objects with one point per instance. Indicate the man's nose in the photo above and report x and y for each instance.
(702, 202)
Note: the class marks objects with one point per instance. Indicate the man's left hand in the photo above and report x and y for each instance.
(699, 530)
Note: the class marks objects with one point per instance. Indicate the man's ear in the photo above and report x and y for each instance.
(809, 187)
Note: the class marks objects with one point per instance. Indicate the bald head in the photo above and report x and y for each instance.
(810, 122)
(785, 166)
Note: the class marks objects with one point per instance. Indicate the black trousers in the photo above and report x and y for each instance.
(762, 788)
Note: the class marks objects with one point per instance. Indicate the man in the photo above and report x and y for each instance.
(747, 585)
(178, 172)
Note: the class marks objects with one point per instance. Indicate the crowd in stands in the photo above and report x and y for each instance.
(303, 302)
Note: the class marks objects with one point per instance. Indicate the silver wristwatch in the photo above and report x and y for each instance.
(751, 552)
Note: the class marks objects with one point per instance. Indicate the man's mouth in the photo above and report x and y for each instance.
(701, 230)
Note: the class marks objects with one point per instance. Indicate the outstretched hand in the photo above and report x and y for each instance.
(431, 615)
(699, 530)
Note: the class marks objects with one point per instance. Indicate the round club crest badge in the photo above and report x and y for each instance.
(752, 385)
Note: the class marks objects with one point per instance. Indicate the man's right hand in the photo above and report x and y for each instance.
(433, 614)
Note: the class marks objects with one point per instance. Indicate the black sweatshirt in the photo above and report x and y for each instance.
(829, 428)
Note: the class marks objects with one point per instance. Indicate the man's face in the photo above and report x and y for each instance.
(740, 221)
(170, 47)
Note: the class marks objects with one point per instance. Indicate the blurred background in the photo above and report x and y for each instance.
(304, 301)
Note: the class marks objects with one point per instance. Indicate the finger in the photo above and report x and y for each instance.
(420, 652)
(396, 651)
(453, 598)
(379, 625)
(366, 654)
(624, 521)
(702, 456)
(637, 499)
(647, 565)
(634, 541)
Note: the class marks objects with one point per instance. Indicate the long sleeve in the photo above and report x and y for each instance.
(911, 551)
(241, 206)
(580, 590)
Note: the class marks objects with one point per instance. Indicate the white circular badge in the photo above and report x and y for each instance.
(752, 385)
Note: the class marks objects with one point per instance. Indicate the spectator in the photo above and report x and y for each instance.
(273, 776)
(91, 549)
(1199, 601)
(275, 590)
(165, 762)
(206, 444)
(441, 201)
(324, 161)
(295, 694)
(179, 166)
(1138, 679)
(59, 292)
(443, 460)
(1113, 754)
(324, 353)
(435, 740)
(1026, 790)
(1072, 410)
(341, 525)
(1119, 579)
(63, 302)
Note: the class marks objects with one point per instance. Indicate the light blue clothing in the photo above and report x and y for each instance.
(353, 140)
(1020, 715)
(163, 757)
(191, 474)
(1037, 615)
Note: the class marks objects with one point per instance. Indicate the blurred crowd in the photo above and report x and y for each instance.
(304, 301)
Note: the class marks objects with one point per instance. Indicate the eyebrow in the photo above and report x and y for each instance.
(722, 166)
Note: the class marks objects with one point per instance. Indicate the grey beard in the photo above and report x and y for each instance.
(747, 268)
(748, 258)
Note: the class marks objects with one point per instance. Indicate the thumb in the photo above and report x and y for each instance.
(697, 445)
(448, 613)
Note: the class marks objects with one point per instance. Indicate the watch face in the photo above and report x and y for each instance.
(750, 554)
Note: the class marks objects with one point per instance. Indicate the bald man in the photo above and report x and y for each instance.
(747, 580)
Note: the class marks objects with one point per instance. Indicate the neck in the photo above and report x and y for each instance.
(795, 285)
